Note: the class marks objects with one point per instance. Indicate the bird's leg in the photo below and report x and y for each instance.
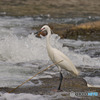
(61, 78)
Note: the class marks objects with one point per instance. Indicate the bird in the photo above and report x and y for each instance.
(56, 55)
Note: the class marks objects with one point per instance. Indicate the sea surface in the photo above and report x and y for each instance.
(22, 54)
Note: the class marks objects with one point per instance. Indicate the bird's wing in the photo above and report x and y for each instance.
(61, 56)
(66, 63)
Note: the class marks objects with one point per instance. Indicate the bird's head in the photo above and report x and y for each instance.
(45, 28)
(43, 31)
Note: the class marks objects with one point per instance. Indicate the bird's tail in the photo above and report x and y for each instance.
(76, 72)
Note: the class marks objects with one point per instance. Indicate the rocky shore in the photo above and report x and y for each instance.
(86, 31)
(58, 9)
(49, 85)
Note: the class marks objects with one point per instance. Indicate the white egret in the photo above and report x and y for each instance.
(56, 56)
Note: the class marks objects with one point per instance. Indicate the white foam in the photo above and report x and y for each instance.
(21, 96)
(14, 49)
(43, 76)
(12, 76)
(22, 49)
(78, 58)
(94, 81)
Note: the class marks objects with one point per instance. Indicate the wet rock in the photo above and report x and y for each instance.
(74, 83)
(49, 85)
(86, 31)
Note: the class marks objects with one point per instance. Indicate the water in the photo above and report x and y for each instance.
(22, 96)
(22, 54)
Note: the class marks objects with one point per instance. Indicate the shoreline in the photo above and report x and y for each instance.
(69, 8)
(49, 86)
(85, 31)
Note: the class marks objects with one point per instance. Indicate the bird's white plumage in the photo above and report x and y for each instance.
(66, 63)
(57, 55)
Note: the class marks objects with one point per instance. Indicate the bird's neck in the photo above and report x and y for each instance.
(48, 39)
